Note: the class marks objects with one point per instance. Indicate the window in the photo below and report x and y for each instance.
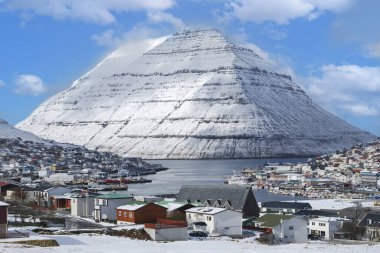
(209, 218)
(119, 213)
(313, 223)
(323, 233)
(130, 214)
(291, 228)
(125, 214)
(73, 200)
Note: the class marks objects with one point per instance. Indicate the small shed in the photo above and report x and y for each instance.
(167, 230)
(3, 219)
(139, 213)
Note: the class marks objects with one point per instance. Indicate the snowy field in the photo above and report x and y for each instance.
(108, 244)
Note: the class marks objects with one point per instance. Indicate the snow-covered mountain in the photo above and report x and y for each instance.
(194, 94)
(9, 132)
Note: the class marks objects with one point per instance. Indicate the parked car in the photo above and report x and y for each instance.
(198, 234)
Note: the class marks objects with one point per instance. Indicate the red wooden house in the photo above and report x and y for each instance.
(139, 213)
(3, 219)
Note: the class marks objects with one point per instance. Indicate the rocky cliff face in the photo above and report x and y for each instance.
(194, 94)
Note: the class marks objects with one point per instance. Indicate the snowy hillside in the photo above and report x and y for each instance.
(9, 132)
(192, 95)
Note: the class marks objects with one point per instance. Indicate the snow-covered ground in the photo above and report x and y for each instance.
(108, 244)
(337, 204)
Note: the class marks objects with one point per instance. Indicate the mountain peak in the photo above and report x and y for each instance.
(194, 94)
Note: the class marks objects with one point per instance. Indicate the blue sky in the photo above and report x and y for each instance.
(332, 48)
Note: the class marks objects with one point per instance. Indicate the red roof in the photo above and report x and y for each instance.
(3, 183)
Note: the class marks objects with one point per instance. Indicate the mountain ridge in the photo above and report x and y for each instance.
(191, 95)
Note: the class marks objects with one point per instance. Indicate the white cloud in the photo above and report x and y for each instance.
(29, 85)
(2, 84)
(347, 89)
(137, 33)
(94, 11)
(374, 50)
(361, 110)
(281, 12)
(107, 38)
(163, 17)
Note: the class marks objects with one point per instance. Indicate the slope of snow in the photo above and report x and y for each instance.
(192, 95)
(105, 244)
(9, 132)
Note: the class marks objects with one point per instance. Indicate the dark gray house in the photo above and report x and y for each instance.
(371, 222)
(240, 198)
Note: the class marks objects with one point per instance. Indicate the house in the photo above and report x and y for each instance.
(371, 222)
(106, 204)
(167, 230)
(139, 213)
(269, 221)
(3, 219)
(175, 210)
(281, 207)
(325, 227)
(60, 202)
(215, 220)
(293, 230)
(83, 204)
(234, 197)
(43, 193)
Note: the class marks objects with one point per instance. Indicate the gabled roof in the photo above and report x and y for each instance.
(370, 220)
(172, 205)
(114, 196)
(308, 212)
(272, 220)
(281, 204)
(132, 206)
(206, 210)
(235, 194)
(3, 204)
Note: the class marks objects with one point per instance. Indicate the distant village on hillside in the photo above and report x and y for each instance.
(69, 189)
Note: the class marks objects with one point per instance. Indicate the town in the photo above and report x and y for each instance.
(49, 188)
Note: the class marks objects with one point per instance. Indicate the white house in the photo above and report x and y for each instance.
(294, 230)
(325, 227)
(82, 205)
(215, 220)
(106, 204)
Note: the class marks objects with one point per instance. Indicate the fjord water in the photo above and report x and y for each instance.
(199, 172)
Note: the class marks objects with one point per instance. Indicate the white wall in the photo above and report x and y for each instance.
(227, 222)
(168, 234)
(293, 230)
(80, 208)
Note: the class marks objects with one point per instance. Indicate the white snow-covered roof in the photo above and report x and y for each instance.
(171, 205)
(132, 206)
(3, 204)
(327, 219)
(206, 210)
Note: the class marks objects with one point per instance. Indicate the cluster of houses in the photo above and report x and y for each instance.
(214, 210)
(29, 162)
(352, 173)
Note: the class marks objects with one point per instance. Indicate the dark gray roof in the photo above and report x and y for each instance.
(280, 204)
(370, 220)
(235, 194)
(308, 212)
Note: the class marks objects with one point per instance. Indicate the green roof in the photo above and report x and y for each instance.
(114, 196)
(271, 220)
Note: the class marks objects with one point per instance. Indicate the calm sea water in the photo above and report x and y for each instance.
(203, 172)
